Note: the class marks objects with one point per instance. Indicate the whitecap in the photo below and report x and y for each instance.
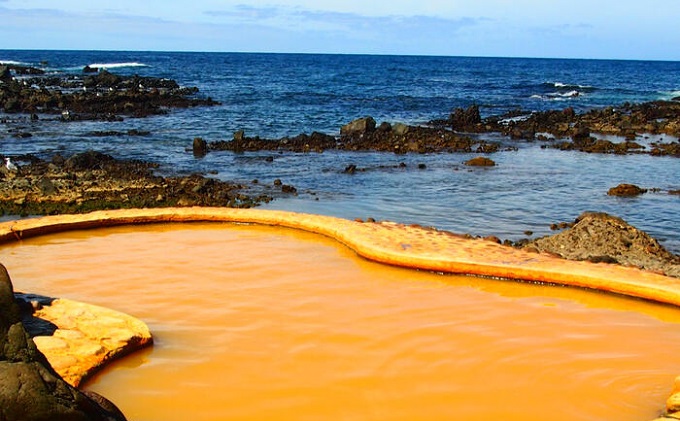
(668, 95)
(570, 86)
(116, 65)
(13, 63)
(570, 94)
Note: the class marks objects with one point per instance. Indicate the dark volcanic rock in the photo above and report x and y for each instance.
(316, 142)
(626, 190)
(94, 181)
(603, 238)
(626, 121)
(101, 96)
(30, 389)
(465, 119)
(358, 127)
(199, 147)
(480, 161)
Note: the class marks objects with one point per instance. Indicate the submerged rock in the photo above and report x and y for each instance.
(480, 161)
(626, 190)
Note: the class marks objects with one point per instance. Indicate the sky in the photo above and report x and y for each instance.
(606, 29)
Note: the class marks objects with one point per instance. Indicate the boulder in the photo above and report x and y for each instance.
(480, 161)
(89, 160)
(400, 129)
(104, 79)
(358, 127)
(580, 134)
(600, 237)
(200, 147)
(31, 390)
(626, 190)
(465, 119)
(5, 74)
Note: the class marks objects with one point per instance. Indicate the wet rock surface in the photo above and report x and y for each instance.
(30, 389)
(599, 237)
(100, 96)
(480, 161)
(581, 132)
(363, 135)
(93, 181)
(626, 190)
(564, 130)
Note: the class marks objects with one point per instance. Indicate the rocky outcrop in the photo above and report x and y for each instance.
(626, 190)
(599, 237)
(466, 120)
(93, 180)
(480, 161)
(102, 96)
(358, 127)
(30, 389)
(364, 135)
(573, 131)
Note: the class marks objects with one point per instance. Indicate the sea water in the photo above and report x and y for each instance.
(276, 95)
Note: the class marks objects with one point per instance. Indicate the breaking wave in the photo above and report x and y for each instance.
(13, 63)
(117, 65)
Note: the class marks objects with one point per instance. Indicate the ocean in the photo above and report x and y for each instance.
(276, 95)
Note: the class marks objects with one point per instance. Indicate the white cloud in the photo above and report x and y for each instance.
(574, 28)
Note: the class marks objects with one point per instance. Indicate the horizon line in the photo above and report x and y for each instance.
(335, 54)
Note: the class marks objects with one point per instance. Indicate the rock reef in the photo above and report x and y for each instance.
(101, 96)
(92, 180)
(572, 131)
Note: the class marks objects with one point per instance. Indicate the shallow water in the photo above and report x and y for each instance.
(269, 323)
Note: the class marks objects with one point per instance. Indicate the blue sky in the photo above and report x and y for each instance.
(610, 29)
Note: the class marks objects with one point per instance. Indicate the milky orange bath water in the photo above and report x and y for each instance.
(258, 323)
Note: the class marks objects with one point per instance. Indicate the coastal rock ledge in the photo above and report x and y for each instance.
(70, 343)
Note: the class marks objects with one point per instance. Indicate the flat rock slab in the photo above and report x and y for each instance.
(87, 337)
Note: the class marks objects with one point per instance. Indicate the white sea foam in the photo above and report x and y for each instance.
(570, 94)
(668, 95)
(117, 65)
(13, 63)
(561, 85)
(558, 96)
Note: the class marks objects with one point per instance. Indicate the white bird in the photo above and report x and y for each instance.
(10, 165)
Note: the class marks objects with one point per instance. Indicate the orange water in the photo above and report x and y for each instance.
(256, 323)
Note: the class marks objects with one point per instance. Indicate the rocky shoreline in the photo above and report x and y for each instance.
(92, 181)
